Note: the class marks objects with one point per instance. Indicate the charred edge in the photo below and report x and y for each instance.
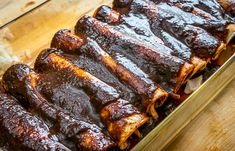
(87, 23)
(69, 126)
(130, 78)
(66, 41)
(22, 124)
(107, 15)
(121, 3)
(123, 120)
(128, 123)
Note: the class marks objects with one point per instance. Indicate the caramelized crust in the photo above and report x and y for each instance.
(23, 83)
(178, 49)
(25, 130)
(144, 56)
(52, 60)
(123, 68)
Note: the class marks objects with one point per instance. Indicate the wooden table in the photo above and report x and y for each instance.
(11, 9)
(213, 129)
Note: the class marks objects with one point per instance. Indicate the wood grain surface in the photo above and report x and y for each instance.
(213, 129)
(11, 9)
(33, 32)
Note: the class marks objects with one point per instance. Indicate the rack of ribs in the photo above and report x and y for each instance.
(144, 56)
(100, 87)
(22, 84)
(121, 117)
(158, 38)
(125, 70)
(190, 28)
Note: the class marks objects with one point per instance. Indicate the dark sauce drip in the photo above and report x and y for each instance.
(73, 100)
(156, 37)
(90, 65)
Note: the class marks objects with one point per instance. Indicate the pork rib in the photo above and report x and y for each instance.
(21, 82)
(145, 57)
(188, 30)
(141, 25)
(123, 68)
(126, 120)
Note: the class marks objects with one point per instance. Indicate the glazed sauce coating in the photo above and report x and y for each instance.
(101, 94)
(81, 56)
(73, 100)
(73, 128)
(88, 63)
(27, 129)
(139, 26)
(121, 67)
(101, 91)
(145, 57)
(165, 16)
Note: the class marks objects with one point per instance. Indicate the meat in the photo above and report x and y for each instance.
(123, 68)
(107, 15)
(157, 35)
(109, 83)
(123, 122)
(171, 19)
(24, 130)
(144, 56)
(21, 81)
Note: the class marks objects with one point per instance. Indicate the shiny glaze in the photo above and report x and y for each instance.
(212, 7)
(24, 130)
(72, 99)
(144, 56)
(123, 68)
(87, 57)
(74, 129)
(181, 27)
(138, 26)
(101, 94)
(119, 65)
(90, 64)
(198, 17)
(52, 60)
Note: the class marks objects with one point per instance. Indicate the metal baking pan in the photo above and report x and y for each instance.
(32, 32)
(171, 126)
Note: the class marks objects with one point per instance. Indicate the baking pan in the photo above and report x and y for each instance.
(171, 126)
(32, 33)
